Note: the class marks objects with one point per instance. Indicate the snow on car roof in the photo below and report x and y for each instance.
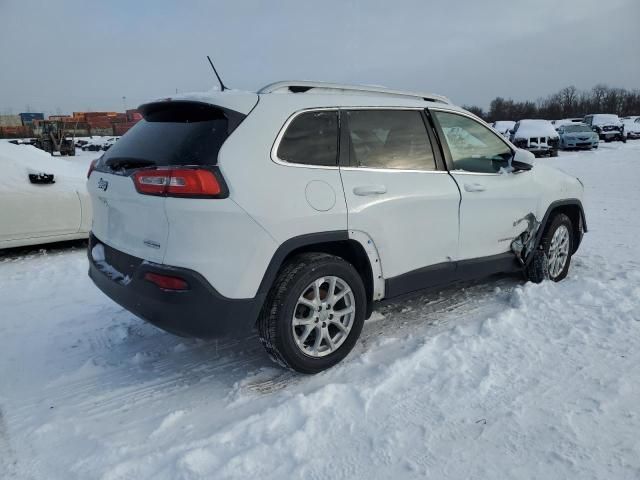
(18, 161)
(535, 128)
(601, 118)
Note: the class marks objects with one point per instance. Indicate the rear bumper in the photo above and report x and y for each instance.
(199, 311)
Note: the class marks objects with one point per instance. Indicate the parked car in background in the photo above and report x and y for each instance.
(43, 199)
(94, 144)
(565, 121)
(577, 135)
(504, 127)
(631, 126)
(99, 143)
(206, 228)
(608, 126)
(537, 136)
(108, 143)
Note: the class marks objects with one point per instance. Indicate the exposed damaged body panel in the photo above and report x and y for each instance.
(525, 243)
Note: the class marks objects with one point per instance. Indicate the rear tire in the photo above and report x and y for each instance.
(302, 324)
(553, 257)
(554, 153)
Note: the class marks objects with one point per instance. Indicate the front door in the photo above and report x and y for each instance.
(495, 203)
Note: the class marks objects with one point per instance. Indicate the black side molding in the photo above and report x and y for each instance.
(448, 272)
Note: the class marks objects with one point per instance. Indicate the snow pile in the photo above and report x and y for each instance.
(500, 379)
(98, 255)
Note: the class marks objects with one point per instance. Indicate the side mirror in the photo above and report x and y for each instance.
(41, 178)
(522, 160)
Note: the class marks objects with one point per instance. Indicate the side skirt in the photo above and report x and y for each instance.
(448, 272)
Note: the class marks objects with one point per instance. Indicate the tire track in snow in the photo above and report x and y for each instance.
(416, 314)
(233, 361)
(8, 460)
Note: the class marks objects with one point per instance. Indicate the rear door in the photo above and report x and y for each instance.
(177, 133)
(396, 192)
(125, 220)
(494, 203)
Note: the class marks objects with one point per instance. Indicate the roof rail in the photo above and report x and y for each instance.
(304, 86)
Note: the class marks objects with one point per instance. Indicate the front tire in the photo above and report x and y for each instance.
(314, 313)
(553, 257)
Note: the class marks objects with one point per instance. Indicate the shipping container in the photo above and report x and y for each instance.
(28, 118)
(122, 128)
(10, 121)
(16, 132)
(102, 131)
(98, 114)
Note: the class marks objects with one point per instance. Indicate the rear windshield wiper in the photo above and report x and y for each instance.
(127, 163)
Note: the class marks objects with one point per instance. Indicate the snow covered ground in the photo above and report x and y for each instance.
(493, 380)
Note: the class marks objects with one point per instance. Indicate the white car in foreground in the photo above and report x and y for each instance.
(295, 208)
(43, 199)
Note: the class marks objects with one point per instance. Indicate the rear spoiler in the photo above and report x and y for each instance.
(170, 110)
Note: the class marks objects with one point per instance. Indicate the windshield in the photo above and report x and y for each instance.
(178, 133)
(576, 128)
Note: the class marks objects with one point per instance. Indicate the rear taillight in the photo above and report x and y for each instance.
(166, 282)
(180, 182)
(92, 167)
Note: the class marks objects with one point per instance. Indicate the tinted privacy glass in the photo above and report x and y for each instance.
(390, 139)
(311, 139)
(473, 146)
(180, 134)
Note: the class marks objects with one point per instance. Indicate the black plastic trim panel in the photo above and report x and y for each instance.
(201, 311)
(448, 272)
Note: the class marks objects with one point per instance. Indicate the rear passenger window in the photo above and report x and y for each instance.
(394, 139)
(311, 139)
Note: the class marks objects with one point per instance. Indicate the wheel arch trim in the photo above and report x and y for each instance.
(324, 239)
(568, 202)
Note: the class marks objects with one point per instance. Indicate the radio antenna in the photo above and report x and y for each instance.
(222, 86)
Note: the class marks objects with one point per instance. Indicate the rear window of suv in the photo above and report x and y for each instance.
(175, 133)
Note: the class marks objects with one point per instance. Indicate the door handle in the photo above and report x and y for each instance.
(474, 187)
(365, 190)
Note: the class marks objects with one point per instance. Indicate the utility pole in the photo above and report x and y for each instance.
(124, 103)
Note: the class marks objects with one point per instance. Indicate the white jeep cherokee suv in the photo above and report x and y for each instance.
(293, 209)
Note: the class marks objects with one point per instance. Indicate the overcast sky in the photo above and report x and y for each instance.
(64, 55)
